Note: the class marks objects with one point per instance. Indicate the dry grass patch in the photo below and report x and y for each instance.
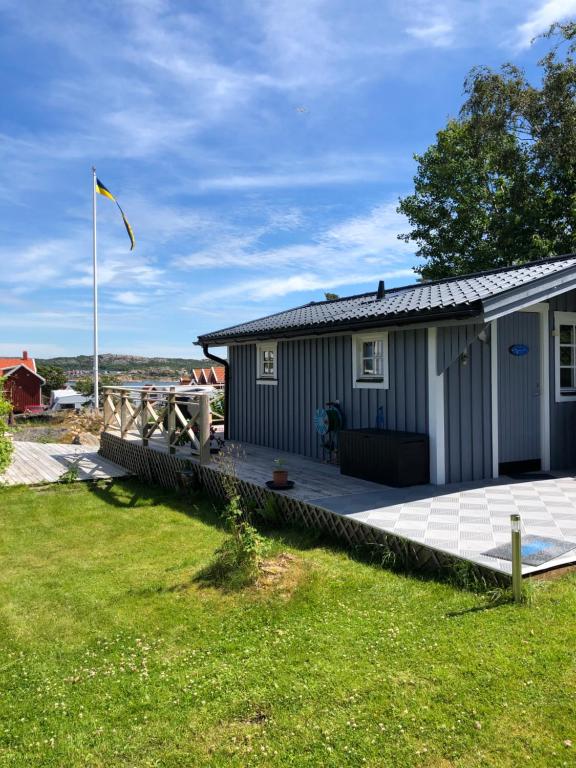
(282, 574)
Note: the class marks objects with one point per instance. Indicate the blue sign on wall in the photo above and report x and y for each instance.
(519, 350)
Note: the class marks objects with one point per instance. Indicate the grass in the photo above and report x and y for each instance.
(112, 653)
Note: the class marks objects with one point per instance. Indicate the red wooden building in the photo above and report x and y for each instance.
(214, 376)
(22, 384)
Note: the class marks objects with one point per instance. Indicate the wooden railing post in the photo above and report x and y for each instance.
(171, 419)
(123, 412)
(204, 429)
(144, 416)
(107, 414)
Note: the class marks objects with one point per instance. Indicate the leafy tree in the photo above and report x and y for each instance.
(331, 296)
(85, 385)
(55, 377)
(6, 447)
(498, 187)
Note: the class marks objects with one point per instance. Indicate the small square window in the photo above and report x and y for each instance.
(370, 361)
(266, 363)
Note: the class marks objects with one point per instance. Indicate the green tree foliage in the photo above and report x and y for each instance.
(85, 386)
(55, 377)
(6, 447)
(331, 296)
(498, 187)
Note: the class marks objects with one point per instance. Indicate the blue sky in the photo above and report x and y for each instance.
(258, 148)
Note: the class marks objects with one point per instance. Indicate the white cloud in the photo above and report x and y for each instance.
(287, 180)
(437, 33)
(354, 241)
(129, 297)
(374, 233)
(358, 250)
(542, 17)
(261, 289)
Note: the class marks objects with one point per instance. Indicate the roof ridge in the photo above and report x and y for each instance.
(482, 273)
(426, 283)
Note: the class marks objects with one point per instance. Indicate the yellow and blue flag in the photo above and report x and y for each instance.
(102, 190)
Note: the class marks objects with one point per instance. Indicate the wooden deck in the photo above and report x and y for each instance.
(35, 463)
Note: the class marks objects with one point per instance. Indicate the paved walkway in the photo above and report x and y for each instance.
(45, 462)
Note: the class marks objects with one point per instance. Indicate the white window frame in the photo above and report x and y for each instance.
(369, 382)
(261, 377)
(562, 318)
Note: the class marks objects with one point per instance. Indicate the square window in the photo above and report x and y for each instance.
(370, 361)
(266, 363)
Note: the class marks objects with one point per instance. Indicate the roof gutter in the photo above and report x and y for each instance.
(223, 362)
(348, 327)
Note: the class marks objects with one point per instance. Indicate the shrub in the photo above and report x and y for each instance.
(71, 474)
(6, 446)
(236, 561)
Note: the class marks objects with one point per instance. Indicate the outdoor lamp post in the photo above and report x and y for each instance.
(516, 557)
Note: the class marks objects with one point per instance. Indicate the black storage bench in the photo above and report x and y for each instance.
(385, 456)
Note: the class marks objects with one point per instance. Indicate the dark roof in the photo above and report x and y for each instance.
(456, 297)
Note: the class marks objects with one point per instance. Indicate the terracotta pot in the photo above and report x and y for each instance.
(280, 476)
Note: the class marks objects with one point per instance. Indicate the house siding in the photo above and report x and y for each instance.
(312, 372)
(467, 407)
(23, 390)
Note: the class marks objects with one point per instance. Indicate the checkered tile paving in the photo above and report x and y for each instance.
(473, 519)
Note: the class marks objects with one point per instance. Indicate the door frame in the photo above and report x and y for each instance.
(543, 311)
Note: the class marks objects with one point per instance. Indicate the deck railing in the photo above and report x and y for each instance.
(177, 418)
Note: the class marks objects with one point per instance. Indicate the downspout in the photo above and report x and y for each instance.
(226, 366)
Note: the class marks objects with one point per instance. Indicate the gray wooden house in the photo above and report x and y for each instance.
(485, 365)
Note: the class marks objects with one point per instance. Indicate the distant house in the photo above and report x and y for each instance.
(214, 376)
(22, 385)
(484, 365)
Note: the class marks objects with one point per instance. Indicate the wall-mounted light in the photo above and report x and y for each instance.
(464, 358)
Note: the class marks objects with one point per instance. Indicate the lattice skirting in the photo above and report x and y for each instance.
(164, 469)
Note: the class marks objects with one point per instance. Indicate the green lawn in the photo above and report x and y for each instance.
(112, 654)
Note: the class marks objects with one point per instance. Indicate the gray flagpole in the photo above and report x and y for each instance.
(95, 290)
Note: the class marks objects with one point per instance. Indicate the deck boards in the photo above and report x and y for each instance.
(45, 462)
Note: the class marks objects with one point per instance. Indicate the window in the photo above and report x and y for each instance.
(267, 363)
(565, 337)
(370, 361)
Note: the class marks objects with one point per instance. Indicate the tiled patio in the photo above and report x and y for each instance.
(468, 520)
(463, 520)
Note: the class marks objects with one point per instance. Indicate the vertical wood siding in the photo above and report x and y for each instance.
(468, 411)
(23, 390)
(454, 340)
(312, 372)
(562, 415)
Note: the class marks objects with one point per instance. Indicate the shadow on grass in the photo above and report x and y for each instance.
(134, 493)
(499, 602)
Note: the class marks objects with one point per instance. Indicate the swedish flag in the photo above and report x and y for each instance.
(102, 190)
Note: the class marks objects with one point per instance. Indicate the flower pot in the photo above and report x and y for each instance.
(280, 476)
